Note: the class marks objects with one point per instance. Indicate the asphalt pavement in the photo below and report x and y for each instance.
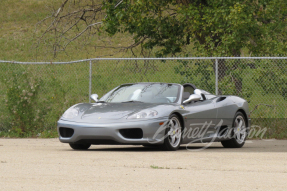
(47, 164)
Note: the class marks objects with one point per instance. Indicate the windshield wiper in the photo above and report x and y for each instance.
(132, 101)
(101, 102)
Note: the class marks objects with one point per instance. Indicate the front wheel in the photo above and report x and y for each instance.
(172, 139)
(79, 146)
(239, 132)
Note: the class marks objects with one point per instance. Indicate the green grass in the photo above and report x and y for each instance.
(18, 37)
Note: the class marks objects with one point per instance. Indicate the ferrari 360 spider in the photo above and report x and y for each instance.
(156, 114)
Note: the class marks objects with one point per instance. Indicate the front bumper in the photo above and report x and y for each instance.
(109, 133)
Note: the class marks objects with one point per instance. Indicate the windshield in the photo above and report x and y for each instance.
(144, 92)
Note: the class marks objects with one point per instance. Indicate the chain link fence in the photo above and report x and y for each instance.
(35, 95)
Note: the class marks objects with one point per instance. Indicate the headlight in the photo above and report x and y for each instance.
(71, 113)
(144, 114)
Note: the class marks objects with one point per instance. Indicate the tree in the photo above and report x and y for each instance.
(215, 28)
(75, 22)
(72, 21)
(172, 27)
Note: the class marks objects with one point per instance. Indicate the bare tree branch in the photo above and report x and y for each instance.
(69, 22)
(81, 33)
(79, 21)
(61, 8)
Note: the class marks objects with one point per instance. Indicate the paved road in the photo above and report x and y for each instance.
(47, 164)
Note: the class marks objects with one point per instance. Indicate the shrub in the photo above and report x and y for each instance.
(21, 104)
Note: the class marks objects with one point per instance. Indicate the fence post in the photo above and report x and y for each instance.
(216, 76)
(90, 82)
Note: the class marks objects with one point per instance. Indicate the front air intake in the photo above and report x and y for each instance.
(135, 133)
(66, 132)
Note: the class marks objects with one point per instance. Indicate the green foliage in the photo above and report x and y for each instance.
(275, 128)
(200, 73)
(232, 82)
(228, 87)
(147, 21)
(216, 28)
(62, 86)
(32, 105)
(272, 81)
(56, 98)
(21, 102)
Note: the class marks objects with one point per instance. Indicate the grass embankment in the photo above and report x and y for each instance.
(19, 35)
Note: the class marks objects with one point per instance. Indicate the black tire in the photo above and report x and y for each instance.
(236, 142)
(79, 146)
(167, 145)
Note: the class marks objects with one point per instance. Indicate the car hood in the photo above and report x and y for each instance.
(113, 110)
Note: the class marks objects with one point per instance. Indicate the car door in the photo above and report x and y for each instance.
(200, 120)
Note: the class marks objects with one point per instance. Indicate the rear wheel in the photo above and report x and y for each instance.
(172, 140)
(239, 132)
(80, 146)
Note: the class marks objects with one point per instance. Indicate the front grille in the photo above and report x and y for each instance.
(66, 132)
(135, 133)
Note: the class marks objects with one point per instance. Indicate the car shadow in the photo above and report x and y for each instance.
(149, 149)
(251, 146)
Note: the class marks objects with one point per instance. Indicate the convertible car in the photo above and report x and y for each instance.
(163, 115)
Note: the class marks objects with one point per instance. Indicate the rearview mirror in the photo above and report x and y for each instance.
(95, 97)
(193, 97)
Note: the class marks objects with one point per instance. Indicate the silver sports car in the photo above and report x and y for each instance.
(156, 114)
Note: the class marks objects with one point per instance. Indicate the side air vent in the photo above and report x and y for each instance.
(135, 133)
(220, 99)
(66, 132)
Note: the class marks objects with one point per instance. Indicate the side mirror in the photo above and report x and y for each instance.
(193, 97)
(95, 97)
